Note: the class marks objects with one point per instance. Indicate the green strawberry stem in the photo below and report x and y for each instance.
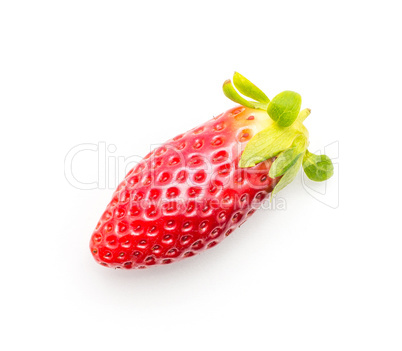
(286, 138)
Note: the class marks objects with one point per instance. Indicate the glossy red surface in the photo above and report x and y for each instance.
(184, 197)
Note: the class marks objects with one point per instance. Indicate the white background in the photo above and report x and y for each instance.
(136, 73)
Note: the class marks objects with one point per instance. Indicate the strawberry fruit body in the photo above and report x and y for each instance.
(185, 196)
(190, 193)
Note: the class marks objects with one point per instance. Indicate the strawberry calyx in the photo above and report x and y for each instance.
(286, 138)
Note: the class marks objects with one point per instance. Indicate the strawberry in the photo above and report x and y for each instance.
(190, 193)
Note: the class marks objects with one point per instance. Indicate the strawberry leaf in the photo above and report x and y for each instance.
(303, 115)
(289, 176)
(248, 89)
(284, 108)
(266, 144)
(231, 93)
(317, 167)
(284, 161)
(289, 157)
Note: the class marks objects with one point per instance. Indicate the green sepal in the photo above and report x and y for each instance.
(266, 144)
(289, 176)
(317, 167)
(284, 108)
(303, 115)
(286, 138)
(289, 157)
(248, 89)
(284, 161)
(231, 93)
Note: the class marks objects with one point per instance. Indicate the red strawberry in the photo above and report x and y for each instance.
(189, 194)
